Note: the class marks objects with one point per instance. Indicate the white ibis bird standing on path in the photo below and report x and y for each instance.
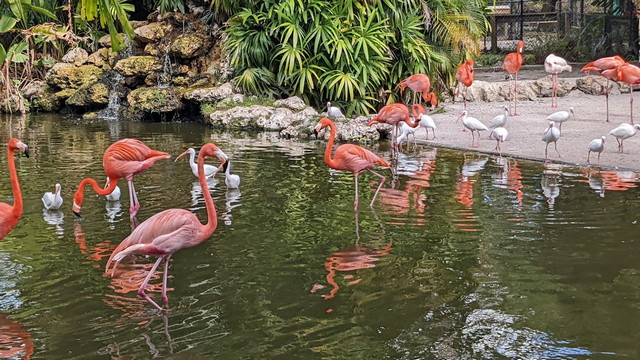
(551, 135)
(560, 117)
(472, 124)
(622, 132)
(596, 145)
(500, 134)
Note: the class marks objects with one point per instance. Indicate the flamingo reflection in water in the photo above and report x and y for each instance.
(510, 176)
(464, 191)
(15, 341)
(600, 180)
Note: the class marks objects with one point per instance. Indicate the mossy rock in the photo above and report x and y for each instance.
(154, 100)
(103, 58)
(190, 45)
(138, 66)
(46, 101)
(90, 96)
(67, 76)
(64, 94)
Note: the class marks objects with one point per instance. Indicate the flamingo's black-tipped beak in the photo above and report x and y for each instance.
(225, 166)
(77, 214)
(26, 151)
(315, 133)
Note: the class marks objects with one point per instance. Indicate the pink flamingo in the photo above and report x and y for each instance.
(168, 231)
(10, 214)
(607, 67)
(464, 75)
(554, 65)
(123, 159)
(512, 64)
(418, 83)
(392, 114)
(349, 157)
(629, 74)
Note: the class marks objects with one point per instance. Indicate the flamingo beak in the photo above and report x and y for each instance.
(181, 155)
(76, 210)
(315, 133)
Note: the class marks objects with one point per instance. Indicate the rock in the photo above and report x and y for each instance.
(589, 85)
(294, 103)
(357, 130)
(542, 86)
(136, 24)
(90, 96)
(234, 98)
(211, 94)
(154, 100)
(190, 45)
(105, 41)
(279, 119)
(152, 32)
(103, 58)
(241, 117)
(138, 66)
(77, 56)
(34, 88)
(68, 76)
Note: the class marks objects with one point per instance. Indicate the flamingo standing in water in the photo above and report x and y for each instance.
(9, 215)
(349, 157)
(168, 231)
(555, 65)
(472, 124)
(551, 135)
(607, 67)
(629, 74)
(123, 159)
(464, 75)
(392, 114)
(418, 83)
(512, 64)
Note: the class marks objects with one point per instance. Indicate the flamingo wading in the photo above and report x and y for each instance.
(168, 231)
(123, 159)
(10, 214)
(349, 157)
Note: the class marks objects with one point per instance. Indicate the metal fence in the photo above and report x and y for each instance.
(585, 29)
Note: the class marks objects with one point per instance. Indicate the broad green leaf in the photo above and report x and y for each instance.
(7, 22)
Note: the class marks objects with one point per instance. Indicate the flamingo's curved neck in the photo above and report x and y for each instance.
(212, 217)
(327, 151)
(15, 185)
(113, 182)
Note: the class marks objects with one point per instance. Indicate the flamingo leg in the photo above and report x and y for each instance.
(382, 179)
(631, 102)
(464, 96)
(515, 98)
(355, 203)
(133, 199)
(146, 281)
(606, 97)
(165, 298)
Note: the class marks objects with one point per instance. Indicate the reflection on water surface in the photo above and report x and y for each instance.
(464, 256)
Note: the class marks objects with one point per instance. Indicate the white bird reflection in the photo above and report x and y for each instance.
(232, 197)
(549, 183)
(196, 193)
(55, 218)
(114, 213)
(596, 182)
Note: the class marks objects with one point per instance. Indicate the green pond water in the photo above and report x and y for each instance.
(463, 256)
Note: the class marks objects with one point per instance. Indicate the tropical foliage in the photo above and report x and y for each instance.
(350, 52)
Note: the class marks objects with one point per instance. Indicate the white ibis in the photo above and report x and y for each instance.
(209, 170)
(115, 194)
(561, 116)
(231, 180)
(596, 145)
(551, 135)
(622, 132)
(334, 111)
(472, 124)
(500, 134)
(53, 200)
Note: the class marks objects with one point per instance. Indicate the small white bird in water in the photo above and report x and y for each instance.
(500, 134)
(596, 145)
(209, 170)
(561, 116)
(472, 124)
(231, 180)
(53, 200)
(115, 194)
(551, 135)
(334, 111)
(622, 132)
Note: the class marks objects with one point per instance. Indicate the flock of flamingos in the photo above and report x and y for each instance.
(168, 231)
